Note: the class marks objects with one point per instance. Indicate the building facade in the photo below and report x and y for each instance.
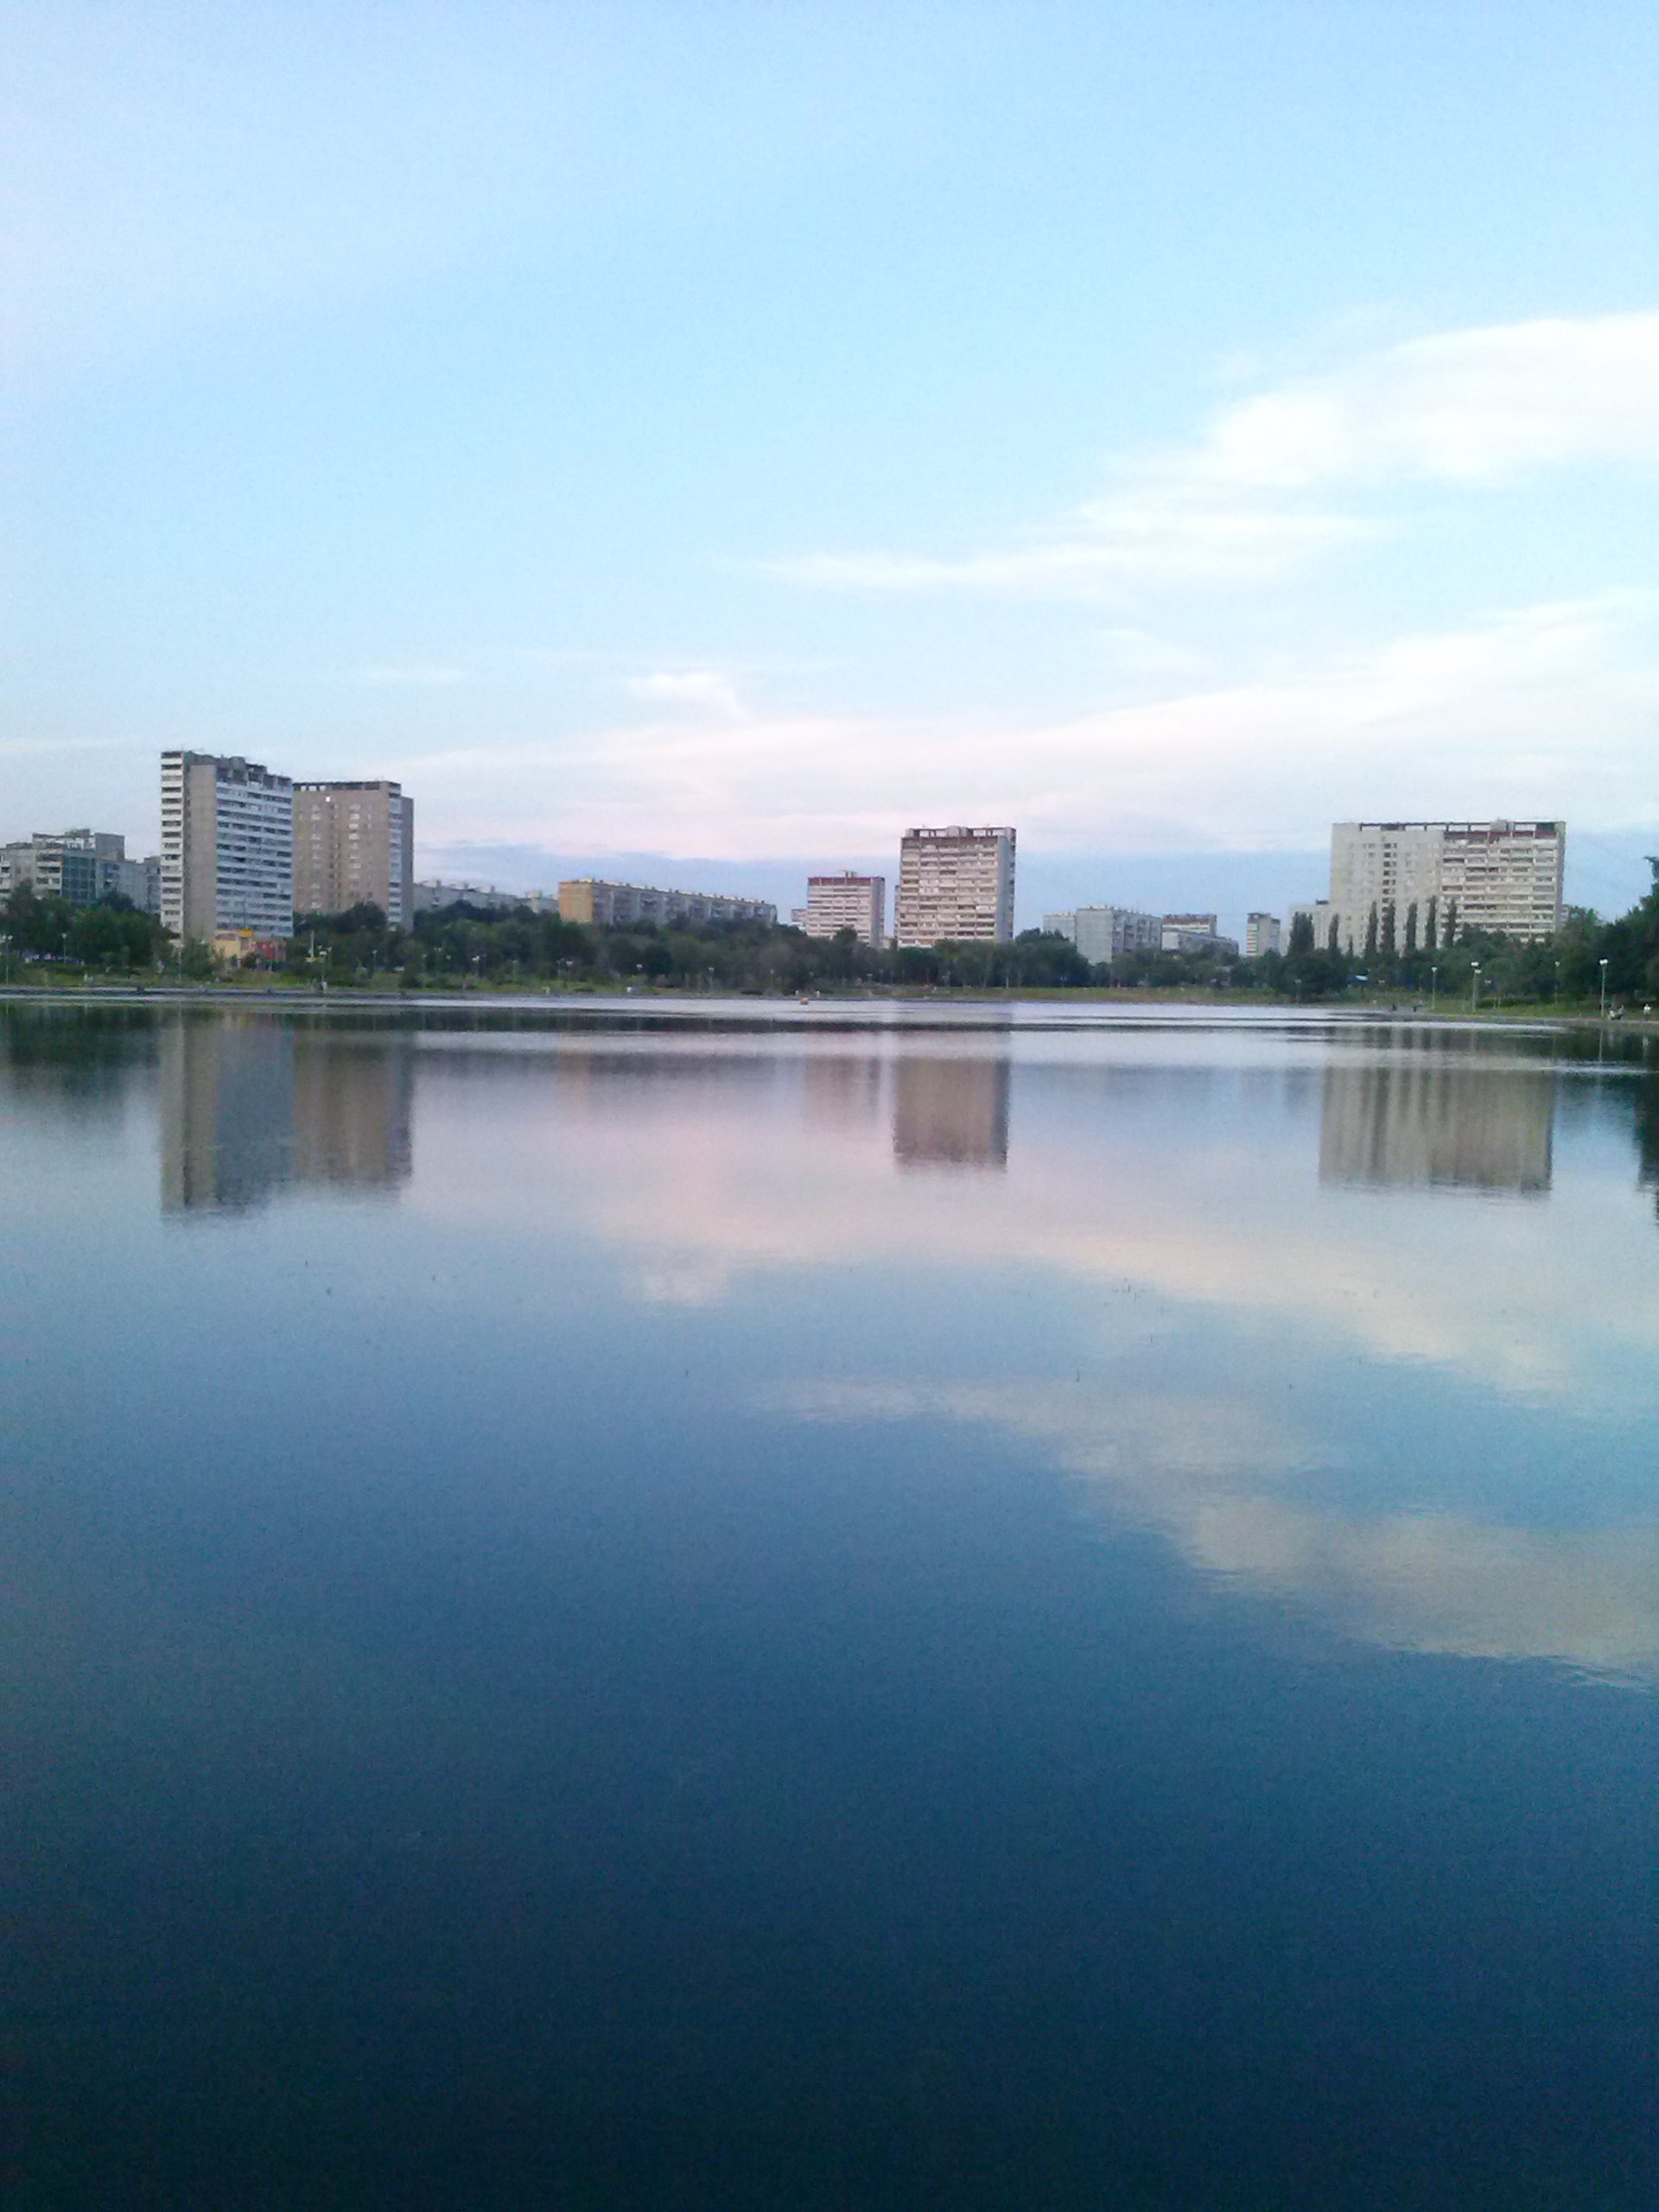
(1261, 934)
(1398, 885)
(858, 903)
(80, 866)
(955, 884)
(1103, 934)
(1195, 933)
(424, 896)
(1320, 918)
(1504, 876)
(227, 847)
(352, 842)
(586, 899)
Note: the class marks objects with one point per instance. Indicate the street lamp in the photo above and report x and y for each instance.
(1603, 965)
(1474, 976)
(1433, 983)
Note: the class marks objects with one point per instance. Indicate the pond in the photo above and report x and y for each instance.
(830, 1607)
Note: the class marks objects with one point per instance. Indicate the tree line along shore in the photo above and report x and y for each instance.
(45, 940)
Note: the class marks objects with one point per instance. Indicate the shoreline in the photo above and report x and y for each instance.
(1534, 1015)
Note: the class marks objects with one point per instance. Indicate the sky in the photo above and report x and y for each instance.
(710, 438)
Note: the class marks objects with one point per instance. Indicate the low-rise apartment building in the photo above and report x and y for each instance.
(587, 898)
(82, 866)
(1103, 934)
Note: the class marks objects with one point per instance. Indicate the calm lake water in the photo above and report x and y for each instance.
(829, 1609)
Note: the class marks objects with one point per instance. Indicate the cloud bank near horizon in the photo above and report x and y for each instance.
(1545, 711)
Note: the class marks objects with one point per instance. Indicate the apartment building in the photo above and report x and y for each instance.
(1261, 934)
(80, 866)
(1103, 934)
(1195, 933)
(354, 842)
(586, 899)
(1504, 876)
(484, 896)
(227, 846)
(834, 903)
(1393, 881)
(1320, 918)
(955, 884)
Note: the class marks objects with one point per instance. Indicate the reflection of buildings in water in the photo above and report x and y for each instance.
(1646, 1133)
(352, 1102)
(1429, 1120)
(841, 1091)
(950, 1112)
(250, 1104)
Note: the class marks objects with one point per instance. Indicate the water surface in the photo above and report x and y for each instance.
(830, 1607)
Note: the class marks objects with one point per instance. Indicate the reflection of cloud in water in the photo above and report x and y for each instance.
(1213, 1476)
(699, 1176)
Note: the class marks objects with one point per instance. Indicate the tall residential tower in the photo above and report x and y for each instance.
(227, 846)
(955, 884)
(354, 842)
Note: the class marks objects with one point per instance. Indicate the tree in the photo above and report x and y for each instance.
(1301, 936)
(1371, 935)
(1411, 929)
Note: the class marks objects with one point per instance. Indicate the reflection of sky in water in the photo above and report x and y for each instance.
(950, 1564)
(1368, 1319)
(1426, 1418)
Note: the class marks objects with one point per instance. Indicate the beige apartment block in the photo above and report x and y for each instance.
(954, 885)
(1504, 876)
(227, 846)
(587, 898)
(858, 903)
(354, 842)
(1498, 875)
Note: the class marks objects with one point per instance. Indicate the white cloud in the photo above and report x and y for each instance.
(689, 687)
(419, 672)
(1546, 709)
(1463, 407)
(1253, 498)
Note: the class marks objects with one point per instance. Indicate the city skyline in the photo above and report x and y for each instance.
(1285, 453)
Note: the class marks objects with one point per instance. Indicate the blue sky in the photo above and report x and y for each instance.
(728, 434)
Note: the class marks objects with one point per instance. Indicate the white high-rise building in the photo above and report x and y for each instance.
(227, 846)
(1261, 934)
(1404, 876)
(955, 884)
(858, 903)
